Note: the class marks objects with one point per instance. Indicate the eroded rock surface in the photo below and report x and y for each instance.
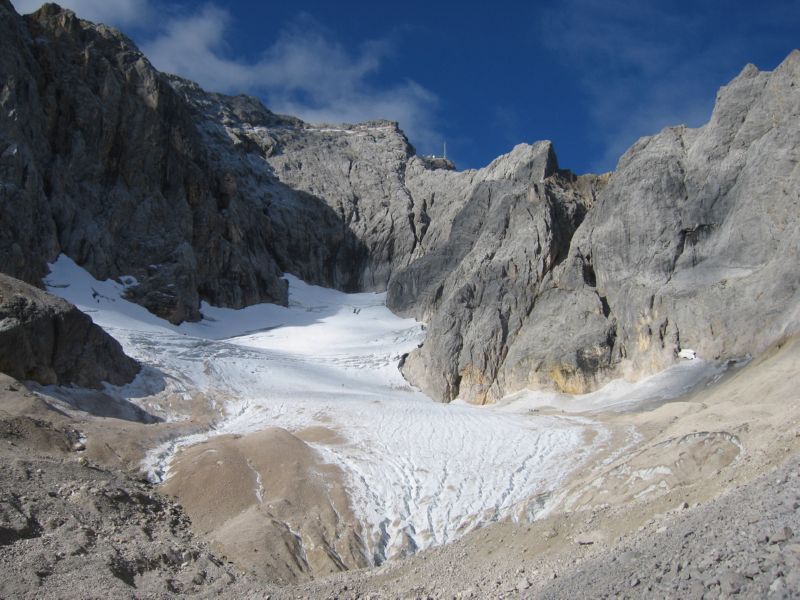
(268, 502)
(692, 243)
(100, 159)
(527, 275)
(47, 339)
(496, 236)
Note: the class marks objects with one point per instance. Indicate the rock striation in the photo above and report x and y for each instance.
(526, 274)
(46, 339)
(101, 160)
(499, 234)
(691, 245)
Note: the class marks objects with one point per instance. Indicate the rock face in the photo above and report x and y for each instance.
(530, 276)
(47, 339)
(509, 226)
(526, 274)
(692, 244)
(101, 160)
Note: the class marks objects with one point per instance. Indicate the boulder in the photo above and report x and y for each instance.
(46, 339)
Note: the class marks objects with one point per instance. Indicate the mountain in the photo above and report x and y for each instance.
(287, 434)
(691, 243)
(526, 274)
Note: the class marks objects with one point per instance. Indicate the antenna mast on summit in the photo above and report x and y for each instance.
(444, 155)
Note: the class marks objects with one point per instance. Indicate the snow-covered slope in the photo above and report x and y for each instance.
(420, 473)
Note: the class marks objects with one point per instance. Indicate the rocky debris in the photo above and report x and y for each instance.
(46, 339)
(72, 525)
(585, 539)
(651, 470)
(719, 549)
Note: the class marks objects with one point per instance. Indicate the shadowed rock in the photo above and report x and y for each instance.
(48, 340)
(526, 274)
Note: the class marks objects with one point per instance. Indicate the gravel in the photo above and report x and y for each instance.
(742, 543)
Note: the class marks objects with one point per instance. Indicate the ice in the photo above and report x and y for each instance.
(419, 473)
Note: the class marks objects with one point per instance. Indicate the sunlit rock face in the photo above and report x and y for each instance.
(691, 243)
(526, 274)
(530, 276)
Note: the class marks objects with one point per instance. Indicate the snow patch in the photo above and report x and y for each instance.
(419, 473)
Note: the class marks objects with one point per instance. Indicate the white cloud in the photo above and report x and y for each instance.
(119, 13)
(303, 73)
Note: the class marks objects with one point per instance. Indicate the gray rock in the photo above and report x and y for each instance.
(777, 588)
(691, 244)
(586, 539)
(14, 524)
(691, 231)
(48, 340)
(780, 535)
(508, 226)
(731, 582)
(526, 275)
(101, 160)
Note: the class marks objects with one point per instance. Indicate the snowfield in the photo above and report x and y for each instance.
(420, 473)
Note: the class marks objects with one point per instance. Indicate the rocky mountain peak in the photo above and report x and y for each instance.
(52, 9)
(526, 274)
(526, 162)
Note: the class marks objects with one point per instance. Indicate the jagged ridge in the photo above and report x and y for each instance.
(526, 274)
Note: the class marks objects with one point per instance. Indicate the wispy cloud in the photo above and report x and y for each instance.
(119, 13)
(644, 65)
(304, 72)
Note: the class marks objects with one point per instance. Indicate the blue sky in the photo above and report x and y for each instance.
(591, 76)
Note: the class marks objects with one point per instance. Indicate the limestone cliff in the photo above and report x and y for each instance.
(100, 159)
(526, 274)
(46, 339)
(692, 244)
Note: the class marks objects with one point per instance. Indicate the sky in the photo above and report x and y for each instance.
(591, 76)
